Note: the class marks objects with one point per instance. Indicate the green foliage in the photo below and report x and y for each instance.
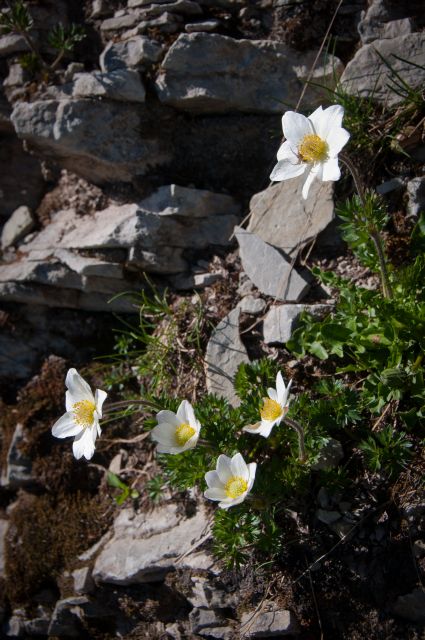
(65, 38)
(17, 18)
(155, 487)
(125, 491)
(30, 62)
(387, 451)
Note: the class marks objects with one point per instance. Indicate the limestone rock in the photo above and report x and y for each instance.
(251, 305)
(83, 581)
(206, 25)
(271, 273)
(145, 546)
(12, 43)
(66, 618)
(416, 196)
(268, 624)
(4, 525)
(280, 216)
(213, 73)
(139, 51)
(18, 470)
(281, 320)
(17, 227)
(367, 76)
(183, 7)
(121, 84)
(120, 23)
(329, 456)
(225, 352)
(384, 19)
(211, 624)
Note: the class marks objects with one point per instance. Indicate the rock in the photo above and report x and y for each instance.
(416, 197)
(122, 84)
(194, 281)
(225, 352)
(268, 624)
(136, 52)
(120, 23)
(385, 19)
(206, 25)
(166, 23)
(100, 8)
(214, 73)
(4, 525)
(100, 140)
(206, 596)
(183, 7)
(12, 43)
(66, 618)
(281, 320)
(17, 227)
(38, 626)
(280, 216)
(390, 185)
(83, 581)
(327, 517)
(71, 71)
(419, 548)
(146, 546)
(367, 76)
(268, 269)
(211, 624)
(15, 626)
(411, 606)
(251, 305)
(330, 455)
(18, 471)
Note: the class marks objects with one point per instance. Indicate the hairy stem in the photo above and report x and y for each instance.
(302, 457)
(374, 233)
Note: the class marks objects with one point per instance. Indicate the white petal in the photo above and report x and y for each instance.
(295, 126)
(190, 417)
(337, 139)
(168, 417)
(331, 170)
(308, 181)
(284, 170)
(83, 445)
(225, 504)
(165, 434)
(238, 466)
(315, 118)
(182, 412)
(65, 427)
(99, 398)
(77, 386)
(252, 428)
(215, 493)
(285, 400)
(266, 427)
(163, 448)
(223, 468)
(252, 468)
(93, 431)
(286, 152)
(280, 387)
(329, 120)
(272, 393)
(212, 480)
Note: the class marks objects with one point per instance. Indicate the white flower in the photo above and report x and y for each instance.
(83, 412)
(274, 409)
(176, 432)
(311, 143)
(231, 482)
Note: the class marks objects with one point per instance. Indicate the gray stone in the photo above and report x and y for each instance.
(100, 8)
(411, 606)
(146, 546)
(18, 470)
(120, 23)
(205, 595)
(66, 618)
(367, 76)
(20, 223)
(86, 266)
(251, 305)
(102, 140)
(139, 51)
(72, 69)
(206, 25)
(280, 216)
(4, 525)
(166, 23)
(141, 3)
(214, 73)
(271, 273)
(37, 626)
(327, 517)
(194, 281)
(211, 624)
(384, 19)
(121, 84)
(15, 626)
(268, 624)
(225, 352)
(183, 7)
(281, 320)
(83, 581)
(330, 455)
(12, 43)
(389, 186)
(416, 197)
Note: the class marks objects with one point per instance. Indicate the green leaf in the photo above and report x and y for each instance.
(336, 332)
(318, 350)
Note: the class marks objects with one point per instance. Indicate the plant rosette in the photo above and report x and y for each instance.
(312, 144)
(83, 412)
(274, 409)
(231, 482)
(176, 432)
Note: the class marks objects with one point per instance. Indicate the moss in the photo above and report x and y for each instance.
(46, 534)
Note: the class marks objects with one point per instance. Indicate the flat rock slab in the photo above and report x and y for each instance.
(20, 223)
(268, 624)
(146, 546)
(265, 266)
(367, 75)
(280, 216)
(120, 84)
(281, 320)
(225, 352)
(139, 51)
(213, 73)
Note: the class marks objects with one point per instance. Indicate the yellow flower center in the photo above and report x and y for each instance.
(313, 149)
(84, 412)
(271, 410)
(235, 487)
(183, 433)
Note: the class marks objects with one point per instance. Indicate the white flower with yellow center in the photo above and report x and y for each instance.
(274, 409)
(231, 482)
(83, 412)
(176, 432)
(312, 144)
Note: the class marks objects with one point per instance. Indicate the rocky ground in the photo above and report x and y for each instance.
(142, 154)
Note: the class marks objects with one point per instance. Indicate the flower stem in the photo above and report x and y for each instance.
(302, 457)
(126, 403)
(374, 233)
